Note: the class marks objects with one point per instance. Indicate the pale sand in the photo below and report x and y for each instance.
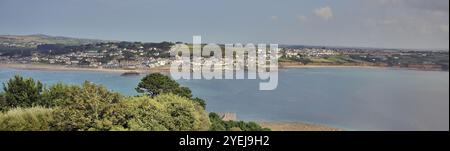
(293, 65)
(157, 69)
(68, 68)
(296, 126)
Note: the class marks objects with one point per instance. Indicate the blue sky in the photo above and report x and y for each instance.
(362, 23)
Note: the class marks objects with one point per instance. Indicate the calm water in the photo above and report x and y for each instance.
(349, 98)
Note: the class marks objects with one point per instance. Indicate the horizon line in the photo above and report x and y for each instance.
(307, 45)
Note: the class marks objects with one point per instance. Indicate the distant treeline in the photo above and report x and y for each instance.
(59, 49)
(11, 51)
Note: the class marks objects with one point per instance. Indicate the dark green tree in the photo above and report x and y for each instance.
(2, 102)
(22, 92)
(156, 83)
(217, 124)
(201, 102)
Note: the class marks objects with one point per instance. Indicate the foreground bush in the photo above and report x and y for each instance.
(217, 124)
(29, 119)
(3, 106)
(162, 113)
(156, 83)
(80, 108)
(91, 107)
(22, 92)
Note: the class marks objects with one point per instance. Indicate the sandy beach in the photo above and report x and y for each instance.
(157, 69)
(166, 68)
(69, 68)
(296, 126)
(289, 65)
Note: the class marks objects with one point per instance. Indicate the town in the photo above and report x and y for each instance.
(138, 55)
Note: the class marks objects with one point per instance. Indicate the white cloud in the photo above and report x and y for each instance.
(274, 18)
(302, 18)
(324, 12)
(437, 6)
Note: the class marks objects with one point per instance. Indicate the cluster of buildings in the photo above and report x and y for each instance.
(135, 55)
(108, 55)
(435, 60)
(20, 45)
(308, 52)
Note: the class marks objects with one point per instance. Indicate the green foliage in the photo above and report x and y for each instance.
(29, 119)
(3, 106)
(186, 114)
(83, 106)
(57, 95)
(21, 92)
(217, 124)
(91, 107)
(200, 102)
(161, 113)
(156, 83)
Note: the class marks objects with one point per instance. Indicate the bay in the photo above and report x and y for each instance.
(348, 98)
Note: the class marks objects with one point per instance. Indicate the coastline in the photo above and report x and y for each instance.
(166, 68)
(47, 67)
(300, 66)
(296, 126)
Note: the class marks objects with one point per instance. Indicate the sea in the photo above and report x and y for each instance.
(369, 99)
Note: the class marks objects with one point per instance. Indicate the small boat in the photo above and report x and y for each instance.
(131, 73)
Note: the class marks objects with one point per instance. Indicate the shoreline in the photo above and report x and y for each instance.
(47, 67)
(166, 68)
(298, 66)
(296, 126)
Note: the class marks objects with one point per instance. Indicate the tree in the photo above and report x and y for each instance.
(21, 92)
(217, 124)
(58, 94)
(185, 114)
(199, 101)
(166, 112)
(83, 106)
(3, 105)
(157, 83)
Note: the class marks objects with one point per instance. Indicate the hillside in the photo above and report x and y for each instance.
(36, 39)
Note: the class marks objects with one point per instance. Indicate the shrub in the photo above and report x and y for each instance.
(217, 124)
(3, 105)
(29, 119)
(185, 114)
(82, 106)
(156, 83)
(162, 113)
(57, 95)
(21, 92)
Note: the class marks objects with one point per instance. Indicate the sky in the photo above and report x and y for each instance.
(418, 24)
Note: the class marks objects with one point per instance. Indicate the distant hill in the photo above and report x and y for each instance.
(36, 39)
